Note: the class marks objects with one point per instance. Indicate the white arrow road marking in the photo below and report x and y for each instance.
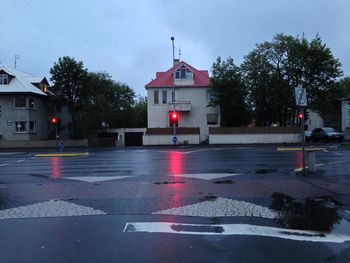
(234, 229)
(219, 208)
(205, 176)
(94, 179)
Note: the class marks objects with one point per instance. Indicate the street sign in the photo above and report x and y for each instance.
(61, 145)
(300, 97)
(174, 139)
(9, 123)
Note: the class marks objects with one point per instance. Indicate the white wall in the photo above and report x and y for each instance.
(253, 138)
(345, 115)
(167, 139)
(196, 117)
(314, 121)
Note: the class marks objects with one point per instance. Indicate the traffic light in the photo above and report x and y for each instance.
(174, 118)
(300, 115)
(54, 120)
(306, 116)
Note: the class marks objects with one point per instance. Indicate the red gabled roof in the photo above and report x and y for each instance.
(165, 79)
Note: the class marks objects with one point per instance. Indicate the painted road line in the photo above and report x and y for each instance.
(85, 154)
(4, 164)
(319, 164)
(51, 208)
(221, 207)
(300, 149)
(19, 161)
(205, 176)
(32, 157)
(235, 229)
(94, 179)
(338, 153)
(300, 169)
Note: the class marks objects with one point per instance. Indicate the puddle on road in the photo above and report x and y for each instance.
(193, 228)
(209, 197)
(176, 182)
(223, 182)
(319, 214)
(265, 171)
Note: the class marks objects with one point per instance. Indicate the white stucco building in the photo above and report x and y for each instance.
(186, 89)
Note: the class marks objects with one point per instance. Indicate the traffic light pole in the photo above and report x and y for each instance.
(302, 110)
(173, 97)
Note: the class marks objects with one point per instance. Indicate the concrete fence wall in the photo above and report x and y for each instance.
(42, 144)
(253, 138)
(167, 139)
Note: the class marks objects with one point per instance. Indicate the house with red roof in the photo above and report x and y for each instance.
(185, 90)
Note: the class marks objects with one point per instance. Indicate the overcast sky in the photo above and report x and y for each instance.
(131, 39)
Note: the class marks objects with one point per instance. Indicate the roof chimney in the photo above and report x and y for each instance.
(176, 61)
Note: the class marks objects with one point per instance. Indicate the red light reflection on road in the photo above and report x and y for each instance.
(299, 160)
(175, 163)
(55, 167)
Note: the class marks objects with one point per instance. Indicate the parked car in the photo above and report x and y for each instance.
(307, 135)
(326, 134)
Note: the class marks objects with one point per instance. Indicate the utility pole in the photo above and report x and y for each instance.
(16, 58)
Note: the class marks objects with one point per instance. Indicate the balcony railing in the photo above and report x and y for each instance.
(180, 106)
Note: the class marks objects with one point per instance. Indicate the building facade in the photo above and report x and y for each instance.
(25, 108)
(186, 91)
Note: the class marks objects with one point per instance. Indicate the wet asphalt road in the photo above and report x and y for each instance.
(148, 181)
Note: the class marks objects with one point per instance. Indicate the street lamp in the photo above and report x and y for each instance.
(173, 97)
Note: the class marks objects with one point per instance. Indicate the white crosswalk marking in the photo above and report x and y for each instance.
(52, 208)
(219, 208)
(206, 176)
(95, 179)
(235, 229)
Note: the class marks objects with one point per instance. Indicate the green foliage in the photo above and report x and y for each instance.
(273, 69)
(97, 101)
(229, 93)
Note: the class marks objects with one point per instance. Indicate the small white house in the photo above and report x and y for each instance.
(186, 91)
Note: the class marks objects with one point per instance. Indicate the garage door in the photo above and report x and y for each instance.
(133, 138)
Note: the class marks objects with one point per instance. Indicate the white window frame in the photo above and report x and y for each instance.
(17, 127)
(4, 79)
(156, 97)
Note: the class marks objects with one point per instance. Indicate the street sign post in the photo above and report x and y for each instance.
(301, 102)
(174, 140)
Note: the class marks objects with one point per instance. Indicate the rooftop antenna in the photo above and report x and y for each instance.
(17, 57)
(179, 53)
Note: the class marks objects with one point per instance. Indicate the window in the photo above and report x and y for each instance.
(20, 102)
(32, 126)
(173, 96)
(164, 97)
(156, 97)
(4, 79)
(210, 96)
(20, 126)
(212, 118)
(183, 73)
(31, 103)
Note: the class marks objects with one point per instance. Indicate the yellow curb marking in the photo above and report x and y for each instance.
(299, 149)
(61, 154)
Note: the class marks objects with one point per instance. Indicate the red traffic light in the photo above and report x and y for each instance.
(174, 116)
(54, 120)
(300, 115)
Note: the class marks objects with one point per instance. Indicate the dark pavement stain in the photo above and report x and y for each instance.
(177, 182)
(224, 182)
(184, 228)
(265, 171)
(209, 197)
(318, 214)
(40, 175)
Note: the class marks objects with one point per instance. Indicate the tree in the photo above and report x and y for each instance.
(139, 113)
(273, 69)
(69, 80)
(105, 103)
(229, 93)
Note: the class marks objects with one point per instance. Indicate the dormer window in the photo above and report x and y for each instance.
(4, 79)
(183, 73)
